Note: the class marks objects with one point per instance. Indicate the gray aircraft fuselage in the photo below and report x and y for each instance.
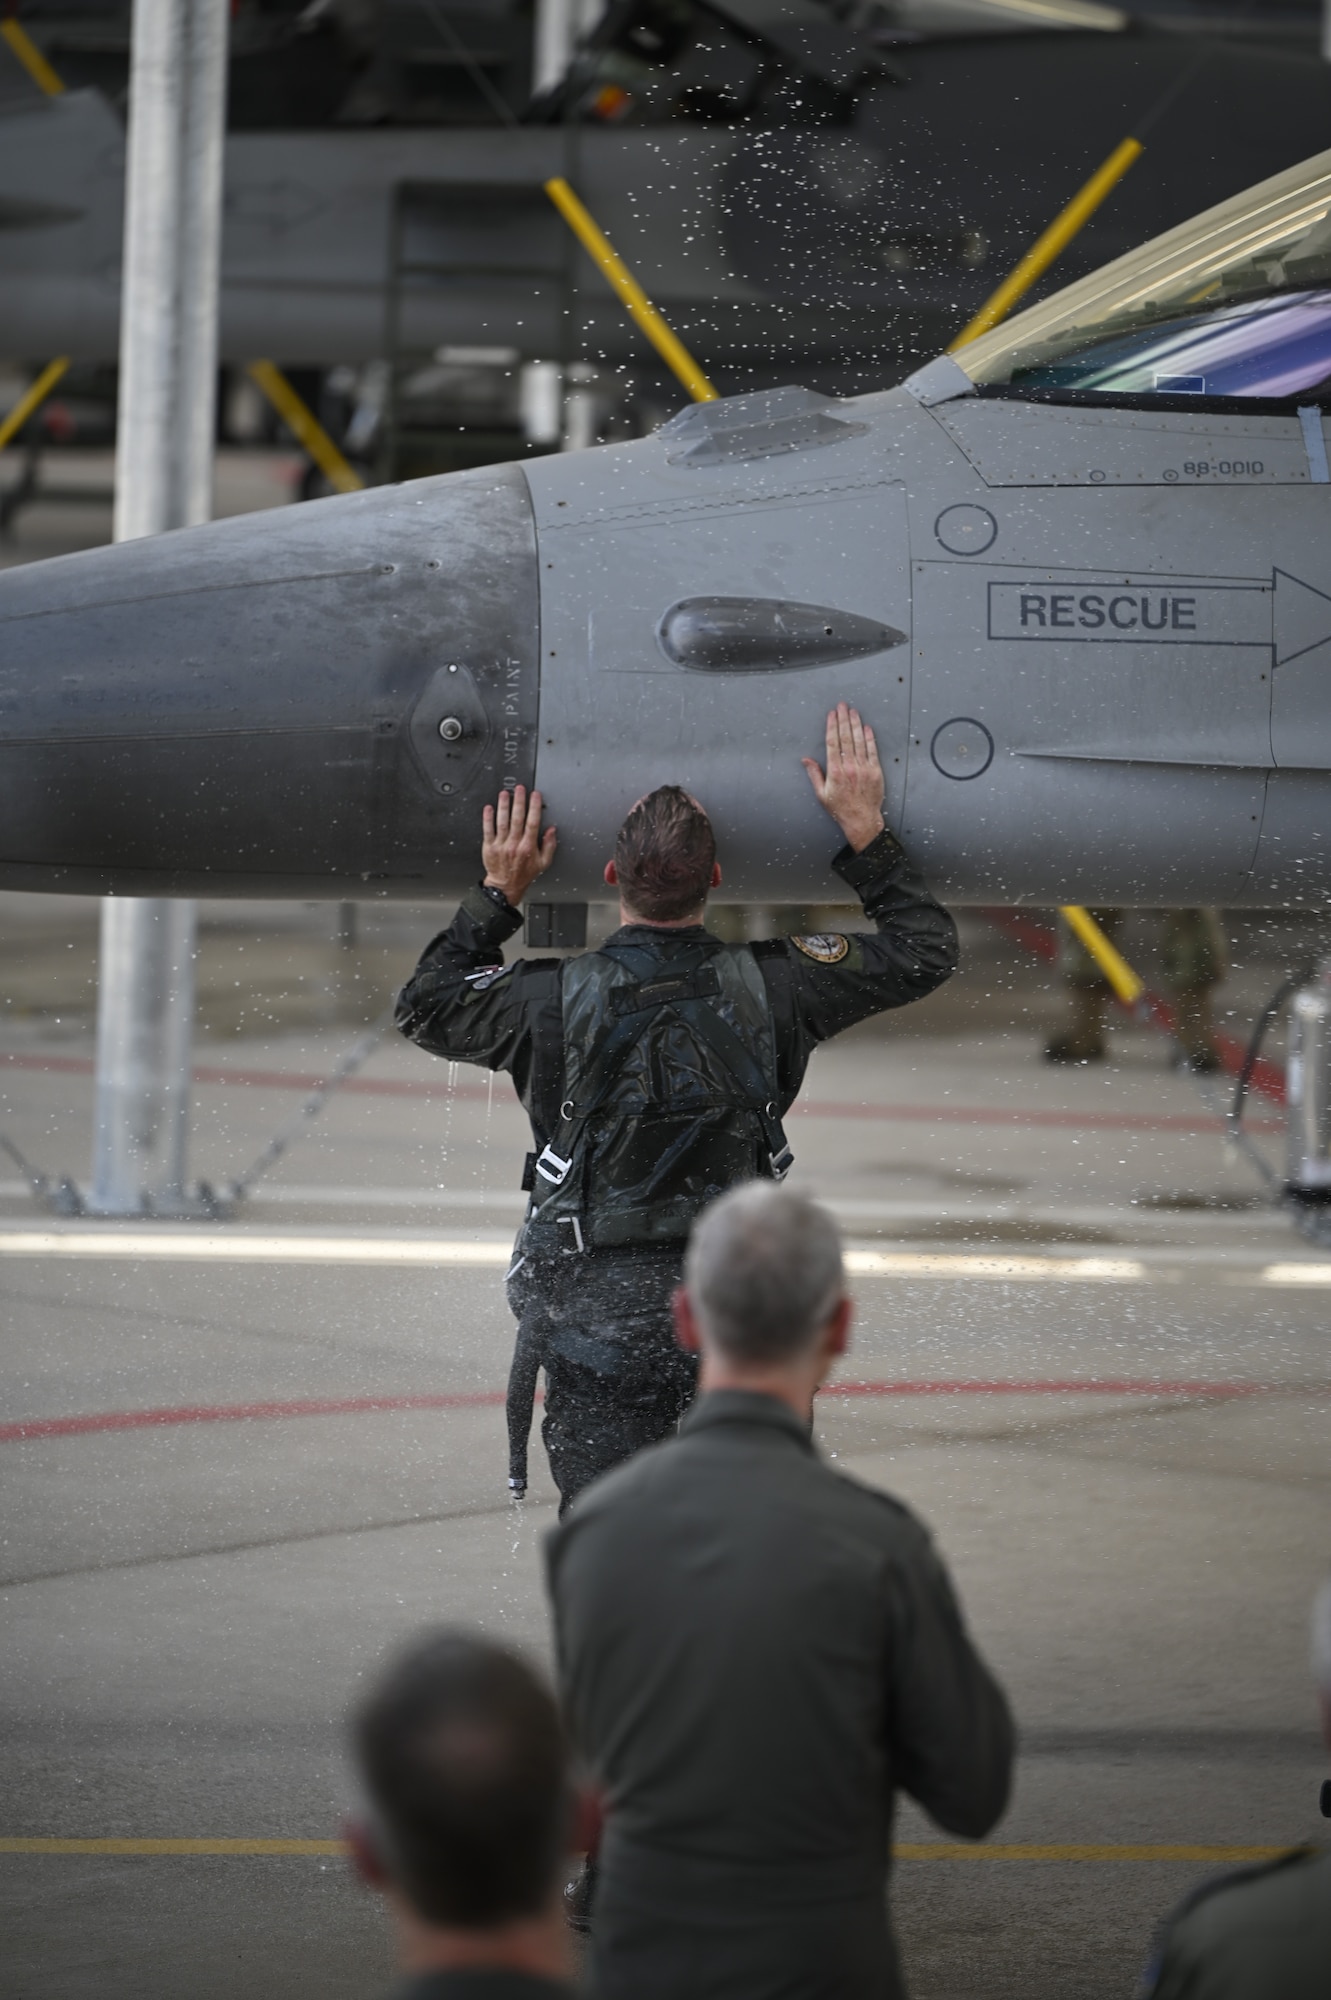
(1095, 645)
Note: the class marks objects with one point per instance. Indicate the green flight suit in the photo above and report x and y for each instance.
(1263, 1933)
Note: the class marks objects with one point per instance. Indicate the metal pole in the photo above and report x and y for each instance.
(164, 457)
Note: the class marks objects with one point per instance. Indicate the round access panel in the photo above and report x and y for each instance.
(966, 530)
(962, 748)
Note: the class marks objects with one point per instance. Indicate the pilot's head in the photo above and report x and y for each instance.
(665, 859)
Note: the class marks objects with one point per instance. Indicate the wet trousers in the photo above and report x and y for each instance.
(599, 1325)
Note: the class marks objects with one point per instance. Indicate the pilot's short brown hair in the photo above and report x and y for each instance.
(664, 856)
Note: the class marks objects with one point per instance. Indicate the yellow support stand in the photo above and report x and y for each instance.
(34, 397)
(1054, 241)
(302, 422)
(31, 57)
(1127, 987)
(629, 292)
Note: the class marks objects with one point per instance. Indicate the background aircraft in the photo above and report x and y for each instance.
(808, 191)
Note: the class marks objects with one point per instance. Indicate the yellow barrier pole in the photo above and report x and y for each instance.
(33, 397)
(1115, 967)
(630, 293)
(31, 57)
(1054, 241)
(309, 432)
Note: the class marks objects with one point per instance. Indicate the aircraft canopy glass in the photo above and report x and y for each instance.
(1236, 302)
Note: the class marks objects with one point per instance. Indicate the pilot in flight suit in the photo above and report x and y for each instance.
(656, 1072)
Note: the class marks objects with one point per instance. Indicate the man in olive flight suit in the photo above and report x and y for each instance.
(1262, 1932)
(757, 1654)
(655, 1072)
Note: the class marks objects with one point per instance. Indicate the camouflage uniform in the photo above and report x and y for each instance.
(1195, 961)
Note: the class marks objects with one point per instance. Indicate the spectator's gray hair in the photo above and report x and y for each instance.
(763, 1272)
(1322, 1638)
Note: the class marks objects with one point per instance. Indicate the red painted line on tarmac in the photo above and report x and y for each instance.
(236, 1413)
(342, 1406)
(1069, 1386)
(265, 1079)
(959, 1114)
(942, 1114)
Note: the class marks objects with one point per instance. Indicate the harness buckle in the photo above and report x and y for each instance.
(551, 1167)
(781, 1163)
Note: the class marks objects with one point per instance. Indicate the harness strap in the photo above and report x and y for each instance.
(739, 1059)
(628, 1004)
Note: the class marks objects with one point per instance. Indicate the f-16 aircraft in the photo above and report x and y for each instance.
(1079, 578)
(803, 187)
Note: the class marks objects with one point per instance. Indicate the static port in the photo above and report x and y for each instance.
(450, 729)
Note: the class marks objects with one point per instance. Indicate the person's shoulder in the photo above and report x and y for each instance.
(875, 1508)
(1283, 1904)
(1299, 1878)
(815, 948)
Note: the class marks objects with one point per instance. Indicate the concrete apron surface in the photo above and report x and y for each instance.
(235, 1476)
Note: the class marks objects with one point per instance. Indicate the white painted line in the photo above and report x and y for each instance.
(1297, 1274)
(198, 1246)
(912, 1264)
(170, 1243)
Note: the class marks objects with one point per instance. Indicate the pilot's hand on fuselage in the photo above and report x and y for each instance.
(852, 789)
(513, 848)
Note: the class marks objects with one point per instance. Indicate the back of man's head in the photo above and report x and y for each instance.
(664, 856)
(464, 1763)
(764, 1273)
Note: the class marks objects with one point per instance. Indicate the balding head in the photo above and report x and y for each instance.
(764, 1274)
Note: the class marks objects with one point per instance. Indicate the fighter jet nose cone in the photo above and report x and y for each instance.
(258, 704)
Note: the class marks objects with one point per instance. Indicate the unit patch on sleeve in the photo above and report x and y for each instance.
(827, 949)
(481, 981)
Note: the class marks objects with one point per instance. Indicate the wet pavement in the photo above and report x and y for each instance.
(236, 1474)
(230, 1482)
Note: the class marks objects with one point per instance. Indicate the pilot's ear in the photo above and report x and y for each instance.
(687, 1335)
(611, 875)
(716, 875)
(366, 1860)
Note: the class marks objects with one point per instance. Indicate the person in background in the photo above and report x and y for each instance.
(1264, 1932)
(1195, 961)
(756, 1653)
(467, 1819)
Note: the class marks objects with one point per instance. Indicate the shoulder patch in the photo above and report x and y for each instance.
(826, 948)
(486, 977)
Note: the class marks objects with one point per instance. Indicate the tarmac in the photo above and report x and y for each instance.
(242, 1458)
